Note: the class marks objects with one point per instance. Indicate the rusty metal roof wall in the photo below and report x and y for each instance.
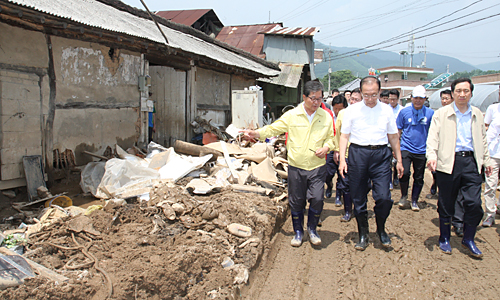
(99, 15)
(246, 37)
(186, 17)
(303, 31)
(289, 76)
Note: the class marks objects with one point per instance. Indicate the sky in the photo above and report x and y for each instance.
(363, 23)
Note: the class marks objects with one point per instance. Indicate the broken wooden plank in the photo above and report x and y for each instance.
(251, 189)
(95, 155)
(228, 161)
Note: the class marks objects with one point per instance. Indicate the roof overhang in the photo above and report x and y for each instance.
(289, 76)
(110, 22)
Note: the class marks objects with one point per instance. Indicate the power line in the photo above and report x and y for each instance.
(420, 37)
(294, 10)
(421, 8)
(307, 10)
(407, 34)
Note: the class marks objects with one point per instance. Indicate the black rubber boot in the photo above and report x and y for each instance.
(338, 198)
(403, 202)
(415, 194)
(328, 191)
(468, 241)
(312, 222)
(298, 227)
(384, 237)
(395, 181)
(363, 232)
(444, 235)
(347, 208)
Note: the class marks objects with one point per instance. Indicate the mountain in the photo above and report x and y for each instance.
(489, 66)
(359, 65)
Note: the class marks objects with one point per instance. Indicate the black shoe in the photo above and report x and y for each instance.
(384, 237)
(395, 182)
(363, 232)
(328, 192)
(433, 189)
(459, 231)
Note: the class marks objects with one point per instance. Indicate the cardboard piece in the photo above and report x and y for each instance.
(265, 171)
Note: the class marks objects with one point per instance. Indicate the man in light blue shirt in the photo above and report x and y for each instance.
(457, 150)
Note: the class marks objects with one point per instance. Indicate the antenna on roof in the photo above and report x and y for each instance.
(157, 25)
(269, 17)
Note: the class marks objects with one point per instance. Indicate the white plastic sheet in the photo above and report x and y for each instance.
(124, 176)
(91, 177)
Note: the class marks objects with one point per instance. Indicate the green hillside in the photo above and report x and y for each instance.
(359, 65)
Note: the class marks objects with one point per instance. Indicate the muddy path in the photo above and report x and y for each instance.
(413, 269)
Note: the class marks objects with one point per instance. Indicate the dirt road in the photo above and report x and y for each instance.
(413, 269)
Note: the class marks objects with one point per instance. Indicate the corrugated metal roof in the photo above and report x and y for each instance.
(351, 85)
(186, 17)
(246, 37)
(289, 76)
(304, 31)
(99, 15)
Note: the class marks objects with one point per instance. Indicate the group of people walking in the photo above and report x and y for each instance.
(372, 145)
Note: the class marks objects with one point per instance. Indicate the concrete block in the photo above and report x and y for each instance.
(21, 124)
(21, 140)
(12, 171)
(9, 107)
(29, 108)
(12, 91)
(14, 79)
(15, 155)
(32, 91)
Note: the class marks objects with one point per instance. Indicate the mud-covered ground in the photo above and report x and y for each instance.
(142, 251)
(414, 268)
(147, 256)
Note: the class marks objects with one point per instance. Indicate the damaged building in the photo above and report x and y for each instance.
(80, 76)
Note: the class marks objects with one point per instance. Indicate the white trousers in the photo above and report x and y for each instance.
(490, 200)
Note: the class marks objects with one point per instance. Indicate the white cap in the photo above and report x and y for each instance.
(418, 92)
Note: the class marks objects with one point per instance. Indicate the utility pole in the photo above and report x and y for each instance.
(411, 48)
(424, 63)
(329, 65)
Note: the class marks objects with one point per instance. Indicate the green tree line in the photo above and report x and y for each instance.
(338, 79)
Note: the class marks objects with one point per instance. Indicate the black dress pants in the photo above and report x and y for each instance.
(466, 179)
(366, 164)
(306, 186)
(418, 161)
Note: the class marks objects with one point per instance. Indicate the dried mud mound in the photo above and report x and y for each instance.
(170, 247)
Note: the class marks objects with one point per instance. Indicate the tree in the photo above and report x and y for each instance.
(471, 74)
(338, 79)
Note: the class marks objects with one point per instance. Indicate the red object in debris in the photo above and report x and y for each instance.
(209, 137)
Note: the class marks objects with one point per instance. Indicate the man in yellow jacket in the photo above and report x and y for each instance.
(310, 138)
(457, 149)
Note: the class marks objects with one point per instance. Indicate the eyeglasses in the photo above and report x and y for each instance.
(316, 99)
(365, 96)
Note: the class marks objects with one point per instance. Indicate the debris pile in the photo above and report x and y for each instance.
(173, 226)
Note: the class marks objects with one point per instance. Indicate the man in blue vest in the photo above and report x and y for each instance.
(413, 124)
